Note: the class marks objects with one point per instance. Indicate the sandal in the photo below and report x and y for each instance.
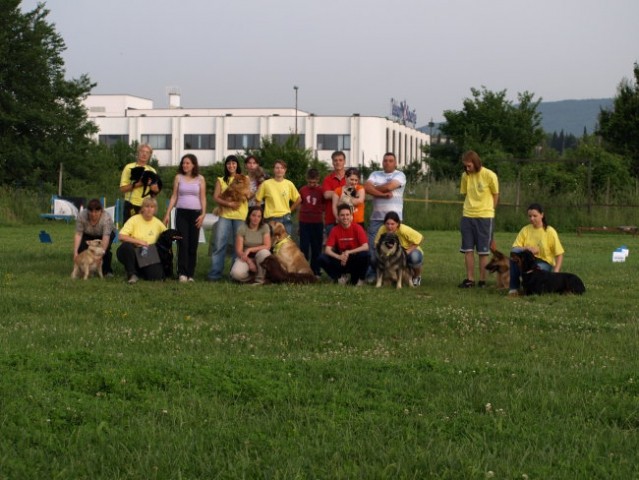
(467, 284)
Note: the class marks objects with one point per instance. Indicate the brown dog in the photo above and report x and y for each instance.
(275, 273)
(238, 191)
(89, 260)
(287, 251)
(500, 264)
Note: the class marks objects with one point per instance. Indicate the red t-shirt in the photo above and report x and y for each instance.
(330, 183)
(312, 206)
(341, 239)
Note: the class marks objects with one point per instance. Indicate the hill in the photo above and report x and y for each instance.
(571, 116)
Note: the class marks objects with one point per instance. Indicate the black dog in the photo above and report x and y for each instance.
(536, 281)
(148, 178)
(165, 250)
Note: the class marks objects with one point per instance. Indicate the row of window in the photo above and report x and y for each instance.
(236, 141)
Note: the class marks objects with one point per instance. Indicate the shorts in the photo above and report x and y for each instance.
(476, 233)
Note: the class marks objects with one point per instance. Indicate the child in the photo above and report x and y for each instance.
(311, 215)
(280, 197)
(357, 196)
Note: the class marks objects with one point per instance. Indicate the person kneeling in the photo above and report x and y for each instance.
(138, 236)
(346, 251)
(252, 245)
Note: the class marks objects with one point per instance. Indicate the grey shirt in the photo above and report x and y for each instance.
(103, 228)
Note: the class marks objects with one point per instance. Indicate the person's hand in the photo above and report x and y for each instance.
(199, 221)
(234, 205)
(166, 220)
(343, 258)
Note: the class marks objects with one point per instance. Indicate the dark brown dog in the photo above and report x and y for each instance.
(275, 273)
(500, 264)
(537, 282)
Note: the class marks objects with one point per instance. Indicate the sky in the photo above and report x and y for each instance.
(348, 56)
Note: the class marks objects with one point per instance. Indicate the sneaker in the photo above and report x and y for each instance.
(360, 283)
(481, 284)
(467, 284)
(417, 281)
(108, 275)
(191, 279)
(183, 279)
(513, 292)
(133, 279)
(343, 280)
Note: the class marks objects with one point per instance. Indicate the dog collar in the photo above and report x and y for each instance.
(279, 244)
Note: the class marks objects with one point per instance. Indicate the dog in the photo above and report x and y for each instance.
(287, 251)
(90, 260)
(347, 196)
(238, 191)
(392, 264)
(275, 273)
(148, 178)
(165, 249)
(500, 264)
(536, 281)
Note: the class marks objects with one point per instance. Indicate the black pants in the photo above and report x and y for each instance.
(108, 256)
(187, 247)
(126, 256)
(355, 266)
(129, 211)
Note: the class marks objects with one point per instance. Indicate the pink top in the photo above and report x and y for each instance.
(189, 194)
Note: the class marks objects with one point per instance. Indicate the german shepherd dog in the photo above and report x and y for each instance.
(500, 264)
(391, 261)
(536, 281)
(165, 249)
(276, 273)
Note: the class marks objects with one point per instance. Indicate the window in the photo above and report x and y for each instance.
(282, 138)
(333, 142)
(238, 141)
(157, 142)
(111, 140)
(193, 141)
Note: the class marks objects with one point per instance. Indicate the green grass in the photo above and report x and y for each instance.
(100, 379)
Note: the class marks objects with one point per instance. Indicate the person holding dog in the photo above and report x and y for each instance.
(280, 197)
(480, 187)
(356, 193)
(256, 176)
(132, 185)
(93, 223)
(141, 230)
(252, 245)
(542, 241)
(189, 200)
(233, 215)
(346, 252)
(410, 240)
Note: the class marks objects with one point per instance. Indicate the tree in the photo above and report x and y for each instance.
(619, 127)
(42, 119)
(489, 123)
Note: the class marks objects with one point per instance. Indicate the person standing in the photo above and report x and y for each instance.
(131, 184)
(232, 217)
(280, 197)
(346, 253)
(335, 179)
(93, 223)
(189, 198)
(481, 189)
(310, 219)
(256, 176)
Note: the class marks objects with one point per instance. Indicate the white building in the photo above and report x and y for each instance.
(213, 133)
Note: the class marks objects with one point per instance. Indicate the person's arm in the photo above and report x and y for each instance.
(133, 240)
(559, 260)
(495, 200)
(221, 202)
(296, 204)
(172, 201)
(200, 219)
(375, 190)
(335, 199)
(360, 198)
(77, 238)
(239, 247)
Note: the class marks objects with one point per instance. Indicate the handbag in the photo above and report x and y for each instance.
(147, 256)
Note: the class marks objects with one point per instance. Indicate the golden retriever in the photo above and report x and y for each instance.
(238, 191)
(90, 260)
(287, 251)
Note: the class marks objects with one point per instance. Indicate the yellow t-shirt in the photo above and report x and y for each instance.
(138, 227)
(407, 236)
(546, 240)
(479, 189)
(277, 197)
(241, 212)
(135, 195)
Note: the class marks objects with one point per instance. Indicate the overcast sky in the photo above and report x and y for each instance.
(348, 56)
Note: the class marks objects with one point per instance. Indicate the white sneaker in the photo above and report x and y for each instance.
(183, 279)
(417, 281)
(343, 280)
(133, 279)
(360, 283)
(191, 279)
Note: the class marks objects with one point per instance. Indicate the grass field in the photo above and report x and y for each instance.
(100, 379)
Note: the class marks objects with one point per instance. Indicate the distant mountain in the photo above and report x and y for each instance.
(571, 116)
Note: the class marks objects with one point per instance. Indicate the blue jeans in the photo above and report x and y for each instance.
(225, 230)
(285, 220)
(373, 227)
(515, 273)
